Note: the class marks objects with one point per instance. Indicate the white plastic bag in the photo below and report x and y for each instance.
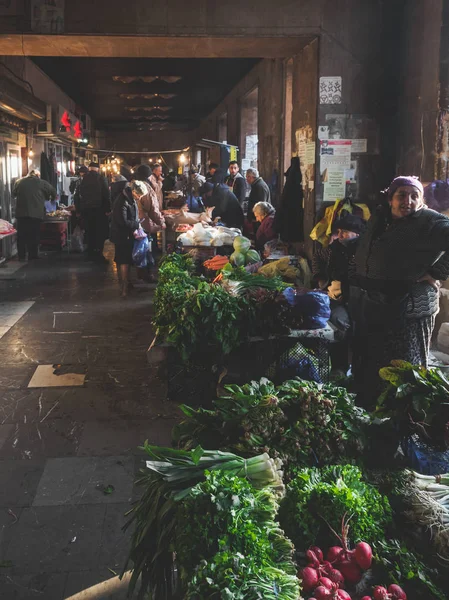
(77, 240)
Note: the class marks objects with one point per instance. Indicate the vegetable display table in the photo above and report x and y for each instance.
(3, 236)
(303, 353)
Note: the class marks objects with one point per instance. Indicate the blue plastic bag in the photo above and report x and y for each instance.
(142, 253)
(313, 307)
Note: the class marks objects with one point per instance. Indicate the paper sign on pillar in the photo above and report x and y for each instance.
(335, 159)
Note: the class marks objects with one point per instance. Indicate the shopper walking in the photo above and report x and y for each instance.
(31, 193)
(156, 181)
(93, 202)
(236, 182)
(125, 220)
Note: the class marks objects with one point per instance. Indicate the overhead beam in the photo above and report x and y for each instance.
(106, 46)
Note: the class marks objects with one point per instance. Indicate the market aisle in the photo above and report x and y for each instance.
(68, 454)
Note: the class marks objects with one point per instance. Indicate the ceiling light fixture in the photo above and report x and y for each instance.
(7, 107)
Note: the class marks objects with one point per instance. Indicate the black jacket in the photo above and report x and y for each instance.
(290, 214)
(227, 207)
(238, 187)
(260, 192)
(340, 266)
(93, 192)
(125, 217)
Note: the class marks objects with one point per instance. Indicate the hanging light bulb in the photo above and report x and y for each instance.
(151, 160)
(30, 153)
(159, 160)
(182, 159)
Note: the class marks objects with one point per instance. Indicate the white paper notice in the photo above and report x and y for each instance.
(309, 153)
(359, 146)
(330, 90)
(246, 164)
(323, 132)
(335, 155)
(335, 186)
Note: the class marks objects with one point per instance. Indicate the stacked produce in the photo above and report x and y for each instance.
(416, 399)
(243, 255)
(302, 422)
(203, 235)
(236, 541)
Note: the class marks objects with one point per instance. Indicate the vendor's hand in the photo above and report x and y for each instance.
(431, 281)
(163, 226)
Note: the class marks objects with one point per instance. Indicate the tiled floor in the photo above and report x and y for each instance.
(69, 440)
(10, 313)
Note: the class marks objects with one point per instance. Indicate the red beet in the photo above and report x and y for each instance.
(335, 576)
(326, 567)
(342, 595)
(309, 578)
(327, 583)
(380, 593)
(397, 592)
(318, 553)
(334, 553)
(366, 598)
(322, 593)
(350, 571)
(363, 555)
(312, 558)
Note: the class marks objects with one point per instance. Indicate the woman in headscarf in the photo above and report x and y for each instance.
(125, 220)
(398, 262)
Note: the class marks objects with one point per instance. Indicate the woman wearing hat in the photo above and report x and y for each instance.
(398, 262)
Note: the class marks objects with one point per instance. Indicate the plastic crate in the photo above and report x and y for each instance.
(424, 459)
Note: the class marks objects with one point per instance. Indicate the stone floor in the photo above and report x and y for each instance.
(77, 397)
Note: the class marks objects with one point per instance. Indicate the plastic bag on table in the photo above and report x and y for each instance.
(77, 240)
(142, 253)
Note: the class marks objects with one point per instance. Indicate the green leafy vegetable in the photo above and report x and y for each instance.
(317, 498)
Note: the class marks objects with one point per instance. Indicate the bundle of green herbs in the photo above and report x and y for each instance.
(167, 479)
(302, 422)
(416, 398)
(229, 545)
(195, 315)
(317, 500)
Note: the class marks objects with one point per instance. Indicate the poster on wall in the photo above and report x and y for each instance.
(47, 16)
(335, 186)
(335, 155)
(330, 90)
(362, 129)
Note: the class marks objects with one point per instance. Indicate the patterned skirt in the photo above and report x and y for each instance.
(373, 351)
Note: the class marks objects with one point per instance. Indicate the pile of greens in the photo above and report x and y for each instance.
(398, 564)
(168, 479)
(193, 314)
(416, 398)
(320, 499)
(228, 544)
(302, 422)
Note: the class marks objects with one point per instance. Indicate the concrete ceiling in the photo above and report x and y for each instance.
(144, 94)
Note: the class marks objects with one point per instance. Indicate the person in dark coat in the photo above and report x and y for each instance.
(402, 254)
(31, 192)
(119, 182)
(264, 214)
(260, 192)
(93, 202)
(289, 221)
(236, 182)
(226, 207)
(125, 220)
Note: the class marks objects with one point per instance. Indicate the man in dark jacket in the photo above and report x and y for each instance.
(260, 192)
(93, 202)
(236, 182)
(31, 192)
(227, 209)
